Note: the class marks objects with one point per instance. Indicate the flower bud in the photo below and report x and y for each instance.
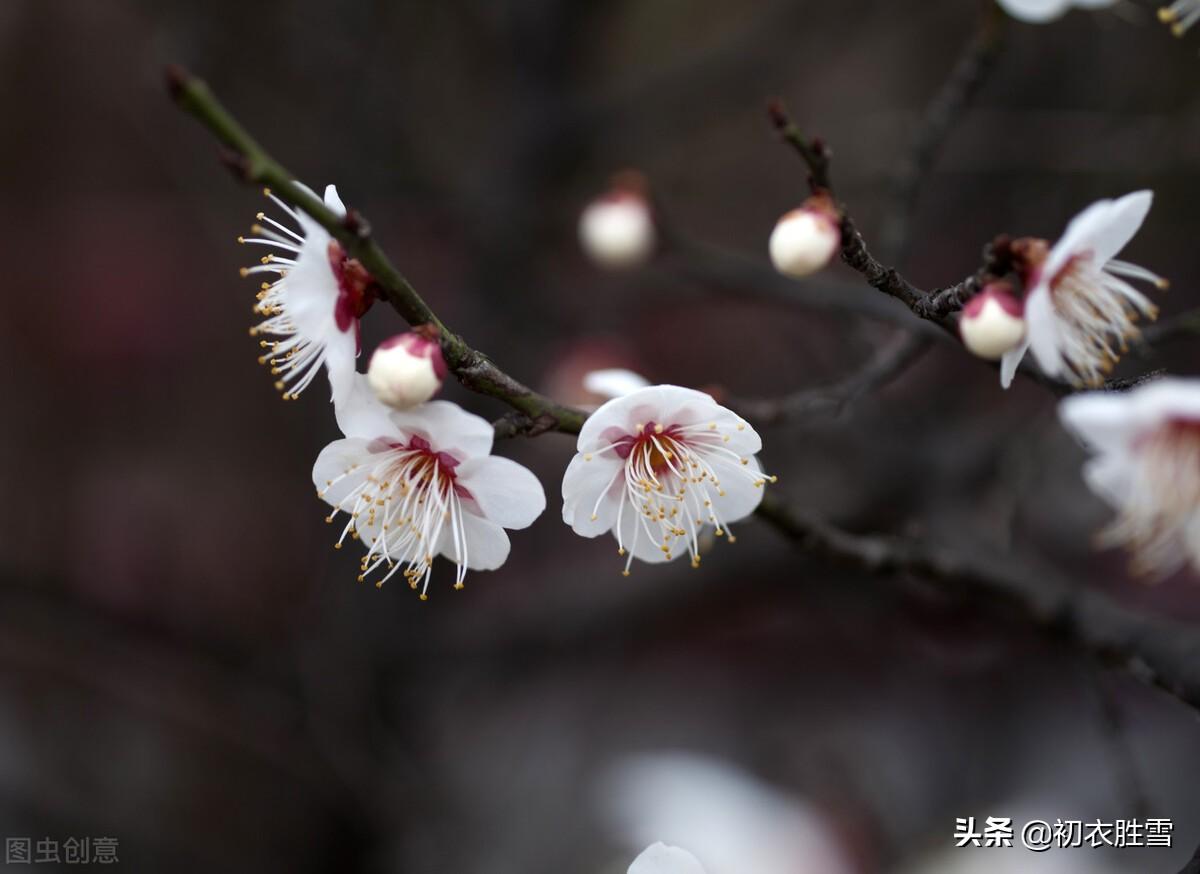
(406, 370)
(992, 322)
(805, 239)
(617, 229)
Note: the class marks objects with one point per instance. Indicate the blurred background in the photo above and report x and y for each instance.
(188, 666)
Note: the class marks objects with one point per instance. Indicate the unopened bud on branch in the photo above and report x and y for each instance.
(406, 370)
(805, 239)
(993, 322)
(617, 228)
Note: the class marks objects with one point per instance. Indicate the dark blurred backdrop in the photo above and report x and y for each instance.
(187, 665)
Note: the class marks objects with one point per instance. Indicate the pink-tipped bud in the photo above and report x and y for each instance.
(616, 229)
(806, 239)
(406, 370)
(992, 322)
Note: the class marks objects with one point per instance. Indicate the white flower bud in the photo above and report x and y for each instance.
(992, 322)
(406, 370)
(617, 230)
(805, 239)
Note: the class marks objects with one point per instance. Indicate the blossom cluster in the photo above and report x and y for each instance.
(414, 478)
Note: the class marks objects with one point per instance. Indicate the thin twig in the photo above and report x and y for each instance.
(878, 371)
(251, 163)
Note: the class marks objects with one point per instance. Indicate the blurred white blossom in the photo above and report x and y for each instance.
(660, 859)
(1041, 11)
(730, 821)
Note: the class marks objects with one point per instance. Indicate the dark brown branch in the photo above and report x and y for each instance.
(252, 164)
(1160, 651)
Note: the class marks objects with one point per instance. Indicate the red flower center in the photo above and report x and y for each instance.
(356, 288)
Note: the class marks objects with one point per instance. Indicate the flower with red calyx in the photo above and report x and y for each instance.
(617, 229)
(312, 310)
(805, 239)
(1042, 11)
(656, 467)
(992, 322)
(407, 369)
(421, 483)
(660, 858)
(1146, 465)
(1080, 310)
(1180, 15)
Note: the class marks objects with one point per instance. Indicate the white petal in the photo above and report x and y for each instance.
(359, 413)
(1035, 11)
(662, 859)
(581, 490)
(1168, 398)
(310, 290)
(644, 539)
(1099, 419)
(447, 427)
(333, 463)
(340, 348)
(333, 201)
(1110, 477)
(614, 382)
(663, 404)
(1011, 361)
(741, 496)
(507, 493)
(1103, 229)
(487, 544)
(1042, 330)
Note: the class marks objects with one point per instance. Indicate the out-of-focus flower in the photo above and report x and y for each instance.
(614, 382)
(733, 823)
(617, 228)
(1041, 11)
(992, 322)
(406, 370)
(1012, 860)
(658, 465)
(421, 483)
(1180, 15)
(314, 307)
(661, 859)
(1146, 443)
(1080, 311)
(805, 239)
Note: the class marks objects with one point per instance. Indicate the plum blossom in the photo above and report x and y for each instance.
(1079, 309)
(656, 467)
(613, 382)
(312, 309)
(407, 370)
(661, 859)
(732, 822)
(1146, 465)
(420, 483)
(1041, 11)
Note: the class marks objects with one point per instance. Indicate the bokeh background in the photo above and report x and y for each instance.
(187, 665)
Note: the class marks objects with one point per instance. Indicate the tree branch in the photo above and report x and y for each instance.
(251, 163)
(1159, 651)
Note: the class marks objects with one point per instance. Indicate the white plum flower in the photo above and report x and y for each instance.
(732, 822)
(656, 467)
(992, 322)
(613, 382)
(1041, 11)
(805, 239)
(1146, 465)
(406, 370)
(661, 859)
(1180, 15)
(617, 229)
(312, 309)
(1079, 309)
(420, 483)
